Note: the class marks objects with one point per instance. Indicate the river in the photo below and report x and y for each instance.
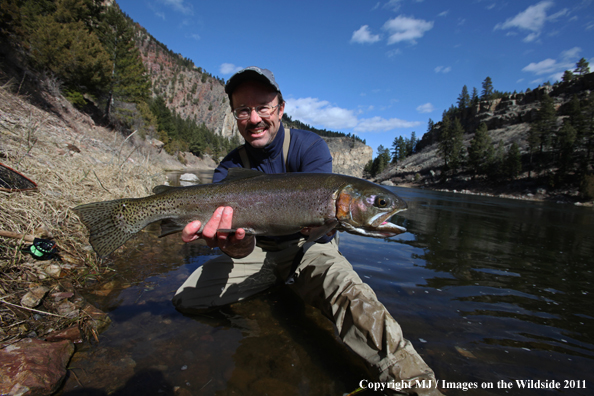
(493, 294)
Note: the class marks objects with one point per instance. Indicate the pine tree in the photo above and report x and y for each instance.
(411, 144)
(129, 81)
(381, 161)
(565, 147)
(487, 92)
(60, 40)
(513, 161)
(463, 98)
(496, 169)
(480, 151)
(567, 76)
(474, 99)
(546, 120)
(451, 141)
(582, 67)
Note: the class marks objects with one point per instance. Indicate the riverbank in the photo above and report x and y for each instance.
(72, 161)
(526, 189)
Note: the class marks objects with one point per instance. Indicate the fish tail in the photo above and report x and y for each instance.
(108, 224)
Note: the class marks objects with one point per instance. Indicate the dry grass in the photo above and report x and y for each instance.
(44, 147)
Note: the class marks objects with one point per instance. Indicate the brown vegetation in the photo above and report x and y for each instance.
(72, 162)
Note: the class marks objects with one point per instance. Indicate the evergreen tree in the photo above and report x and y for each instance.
(464, 98)
(496, 169)
(487, 92)
(566, 138)
(480, 151)
(128, 78)
(451, 145)
(513, 161)
(474, 99)
(398, 149)
(567, 76)
(588, 138)
(582, 67)
(546, 121)
(411, 144)
(381, 161)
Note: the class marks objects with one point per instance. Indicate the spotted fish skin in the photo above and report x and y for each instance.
(263, 204)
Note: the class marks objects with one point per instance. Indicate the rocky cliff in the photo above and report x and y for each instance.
(349, 156)
(188, 90)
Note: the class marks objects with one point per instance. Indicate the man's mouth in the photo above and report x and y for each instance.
(258, 131)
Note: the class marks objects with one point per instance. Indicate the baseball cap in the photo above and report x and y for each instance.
(251, 73)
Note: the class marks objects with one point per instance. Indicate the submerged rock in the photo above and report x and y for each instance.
(34, 367)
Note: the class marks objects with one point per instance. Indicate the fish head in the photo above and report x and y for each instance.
(364, 208)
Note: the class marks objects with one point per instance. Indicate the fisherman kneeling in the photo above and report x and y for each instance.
(318, 273)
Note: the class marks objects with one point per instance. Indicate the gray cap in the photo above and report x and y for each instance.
(251, 73)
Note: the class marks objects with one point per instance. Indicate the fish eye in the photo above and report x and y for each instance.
(381, 201)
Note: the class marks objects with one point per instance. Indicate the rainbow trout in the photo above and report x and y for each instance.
(263, 204)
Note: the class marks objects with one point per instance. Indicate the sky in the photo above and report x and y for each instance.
(379, 70)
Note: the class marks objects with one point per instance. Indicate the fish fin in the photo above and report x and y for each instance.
(162, 188)
(318, 232)
(169, 226)
(107, 232)
(241, 173)
(241, 248)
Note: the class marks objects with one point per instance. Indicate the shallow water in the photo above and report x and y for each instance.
(489, 291)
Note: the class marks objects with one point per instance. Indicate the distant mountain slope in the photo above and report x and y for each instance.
(509, 120)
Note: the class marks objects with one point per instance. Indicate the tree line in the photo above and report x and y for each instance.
(560, 142)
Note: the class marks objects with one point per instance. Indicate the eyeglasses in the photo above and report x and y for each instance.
(264, 111)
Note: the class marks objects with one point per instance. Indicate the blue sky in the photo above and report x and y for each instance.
(377, 69)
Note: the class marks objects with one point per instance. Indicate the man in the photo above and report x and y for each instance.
(316, 271)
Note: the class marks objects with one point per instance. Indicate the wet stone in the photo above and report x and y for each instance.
(34, 367)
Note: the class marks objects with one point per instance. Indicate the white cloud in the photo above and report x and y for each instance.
(364, 36)
(195, 36)
(571, 53)
(403, 28)
(555, 67)
(426, 108)
(379, 124)
(442, 69)
(532, 19)
(178, 5)
(543, 67)
(394, 52)
(229, 68)
(394, 5)
(443, 13)
(321, 113)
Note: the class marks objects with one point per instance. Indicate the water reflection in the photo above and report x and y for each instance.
(486, 289)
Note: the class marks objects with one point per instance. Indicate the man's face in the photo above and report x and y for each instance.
(257, 131)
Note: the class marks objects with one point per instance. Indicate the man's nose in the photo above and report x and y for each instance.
(254, 116)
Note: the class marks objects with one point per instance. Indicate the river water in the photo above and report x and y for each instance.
(493, 293)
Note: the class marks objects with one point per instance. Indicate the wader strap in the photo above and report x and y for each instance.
(245, 161)
(286, 145)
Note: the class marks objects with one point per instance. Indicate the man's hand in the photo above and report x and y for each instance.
(222, 218)
(235, 244)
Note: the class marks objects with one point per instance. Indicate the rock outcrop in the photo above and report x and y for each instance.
(34, 367)
(349, 156)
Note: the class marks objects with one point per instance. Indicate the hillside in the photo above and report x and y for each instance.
(508, 120)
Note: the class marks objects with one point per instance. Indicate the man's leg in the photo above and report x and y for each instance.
(224, 280)
(326, 280)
